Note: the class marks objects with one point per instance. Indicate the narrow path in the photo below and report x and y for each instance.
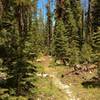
(65, 88)
(57, 82)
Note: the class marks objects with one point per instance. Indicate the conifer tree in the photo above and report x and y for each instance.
(89, 30)
(86, 53)
(59, 41)
(95, 10)
(95, 14)
(49, 24)
(71, 31)
(77, 13)
(15, 27)
(96, 47)
(93, 19)
(24, 71)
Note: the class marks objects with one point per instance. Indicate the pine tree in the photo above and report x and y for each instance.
(95, 10)
(78, 13)
(15, 34)
(71, 31)
(59, 41)
(96, 47)
(49, 24)
(87, 53)
(24, 71)
(95, 14)
(96, 40)
(92, 19)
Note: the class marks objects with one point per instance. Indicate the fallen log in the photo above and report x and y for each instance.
(79, 71)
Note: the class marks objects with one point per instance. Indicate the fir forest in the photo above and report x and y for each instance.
(49, 49)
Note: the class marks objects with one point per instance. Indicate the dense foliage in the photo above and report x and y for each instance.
(64, 32)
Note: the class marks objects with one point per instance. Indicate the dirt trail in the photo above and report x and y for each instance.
(56, 81)
(65, 88)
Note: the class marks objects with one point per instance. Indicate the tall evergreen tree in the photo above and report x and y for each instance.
(89, 30)
(95, 10)
(71, 30)
(15, 27)
(49, 24)
(59, 42)
(59, 37)
(93, 19)
(24, 71)
(95, 14)
(78, 13)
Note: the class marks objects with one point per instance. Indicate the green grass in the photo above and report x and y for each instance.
(46, 90)
(75, 82)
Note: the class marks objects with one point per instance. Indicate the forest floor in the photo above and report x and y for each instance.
(54, 83)
(68, 87)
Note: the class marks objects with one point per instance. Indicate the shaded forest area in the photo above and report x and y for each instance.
(67, 33)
